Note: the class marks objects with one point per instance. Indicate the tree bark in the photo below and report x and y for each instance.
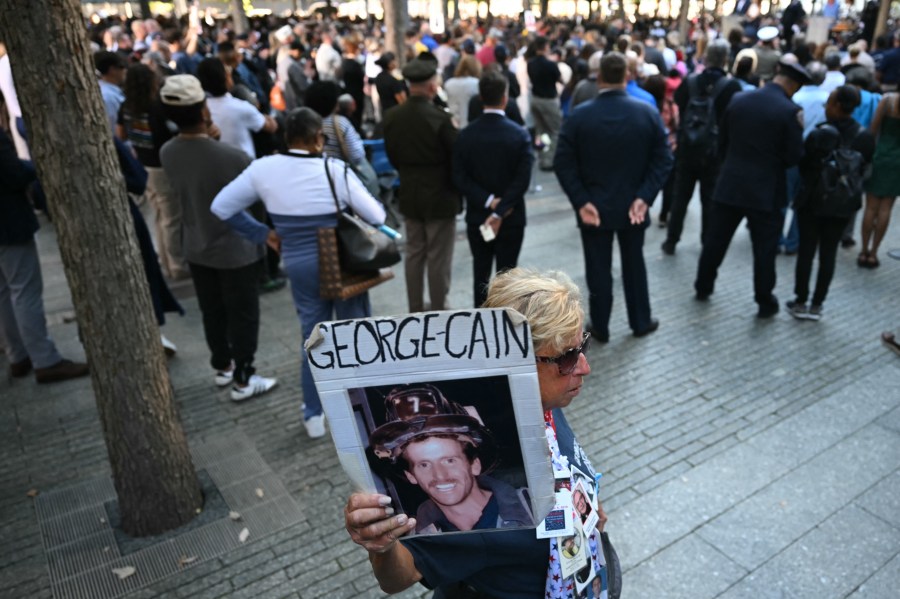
(683, 20)
(396, 20)
(544, 8)
(884, 10)
(239, 17)
(72, 148)
(146, 13)
(445, 13)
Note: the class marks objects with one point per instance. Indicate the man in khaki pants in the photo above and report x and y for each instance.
(419, 140)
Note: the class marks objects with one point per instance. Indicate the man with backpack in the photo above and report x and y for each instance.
(701, 100)
(838, 154)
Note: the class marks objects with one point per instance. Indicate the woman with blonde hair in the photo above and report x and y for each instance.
(462, 87)
(511, 562)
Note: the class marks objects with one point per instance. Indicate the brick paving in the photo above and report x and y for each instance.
(741, 458)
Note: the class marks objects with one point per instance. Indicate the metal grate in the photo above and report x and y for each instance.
(81, 547)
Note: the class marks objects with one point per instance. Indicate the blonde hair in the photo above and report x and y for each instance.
(468, 67)
(549, 300)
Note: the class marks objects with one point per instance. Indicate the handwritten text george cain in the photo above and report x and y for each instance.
(460, 335)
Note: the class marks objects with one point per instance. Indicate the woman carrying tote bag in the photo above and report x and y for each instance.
(295, 190)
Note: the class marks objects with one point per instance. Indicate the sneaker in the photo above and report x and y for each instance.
(224, 377)
(168, 347)
(797, 310)
(315, 426)
(61, 371)
(257, 385)
(815, 313)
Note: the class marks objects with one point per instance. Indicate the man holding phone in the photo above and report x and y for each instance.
(492, 163)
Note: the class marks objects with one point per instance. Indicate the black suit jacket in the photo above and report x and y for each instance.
(492, 156)
(760, 138)
(17, 221)
(612, 150)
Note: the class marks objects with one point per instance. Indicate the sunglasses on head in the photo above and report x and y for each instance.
(568, 360)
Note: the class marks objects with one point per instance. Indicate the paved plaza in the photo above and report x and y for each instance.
(741, 458)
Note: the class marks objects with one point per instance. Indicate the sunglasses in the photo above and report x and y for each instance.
(568, 360)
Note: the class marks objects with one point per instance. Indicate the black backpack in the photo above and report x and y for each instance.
(699, 127)
(842, 177)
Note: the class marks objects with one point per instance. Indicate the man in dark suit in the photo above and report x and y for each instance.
(419, 138)
(23, 325)
(492, 163)
(612, 160)
(761, 137)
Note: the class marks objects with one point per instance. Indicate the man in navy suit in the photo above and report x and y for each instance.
(492, 161)
(611, 161)
(760, 138)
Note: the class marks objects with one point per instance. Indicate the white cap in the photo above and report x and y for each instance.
(767, 34)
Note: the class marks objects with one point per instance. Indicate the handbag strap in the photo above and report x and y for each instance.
(337, 205)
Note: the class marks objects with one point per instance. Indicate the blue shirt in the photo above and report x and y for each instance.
(865, 112)
(113, 96)
(638, 93)
(812, 100)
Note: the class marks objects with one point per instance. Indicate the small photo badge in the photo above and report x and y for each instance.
(573, 552)
(582, 503)
(559, 522)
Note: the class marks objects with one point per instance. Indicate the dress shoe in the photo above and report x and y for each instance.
(654, 324)
(19, 369)
(702, 296)
(598, 336)
(61, 371)
(768, 309)
(668, 248)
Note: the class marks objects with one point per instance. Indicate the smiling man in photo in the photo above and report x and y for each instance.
(447, 452)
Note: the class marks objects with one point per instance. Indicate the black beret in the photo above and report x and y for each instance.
(420, 69)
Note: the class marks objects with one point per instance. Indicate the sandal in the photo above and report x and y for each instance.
(872, 261)
(862, 260)
(890, 341)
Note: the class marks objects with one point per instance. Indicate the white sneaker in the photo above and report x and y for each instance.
(257, 385)
(224, 377)
(168, 347)
(315, 426)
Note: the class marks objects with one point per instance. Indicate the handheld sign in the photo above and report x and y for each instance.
(441, 411)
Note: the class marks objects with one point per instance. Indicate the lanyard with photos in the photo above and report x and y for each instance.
(576, 567)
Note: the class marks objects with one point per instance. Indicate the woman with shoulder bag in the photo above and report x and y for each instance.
(297, 193)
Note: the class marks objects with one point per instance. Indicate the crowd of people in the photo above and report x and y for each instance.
(242, 146)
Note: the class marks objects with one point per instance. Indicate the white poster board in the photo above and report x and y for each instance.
(393, 388)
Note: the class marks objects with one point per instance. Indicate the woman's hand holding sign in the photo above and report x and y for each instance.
(372, 524)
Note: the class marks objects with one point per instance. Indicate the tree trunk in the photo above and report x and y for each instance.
(544, 8)
(72, 148)
(396, 19)
(445, 13)
(146, 13)
(683, 20)
(239, 17)
(620, 11)
(489, 16)
(884, 10)
(456, 11)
